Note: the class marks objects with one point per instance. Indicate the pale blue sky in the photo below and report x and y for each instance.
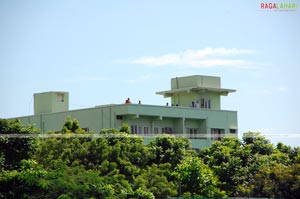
(105, 51)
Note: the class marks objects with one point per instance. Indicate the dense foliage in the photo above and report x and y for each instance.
(116, 164)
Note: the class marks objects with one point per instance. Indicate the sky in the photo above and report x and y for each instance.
(103, 52)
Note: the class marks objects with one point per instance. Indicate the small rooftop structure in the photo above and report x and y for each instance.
(185, 90)
(51, 102)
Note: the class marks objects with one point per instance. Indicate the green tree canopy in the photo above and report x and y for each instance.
(17, 142)
(116, 164)
(197, 178)
(169, 149)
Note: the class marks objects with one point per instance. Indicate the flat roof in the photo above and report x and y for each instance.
(47, 92)
(221, 91)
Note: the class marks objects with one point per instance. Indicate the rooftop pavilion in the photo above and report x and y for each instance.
(205, 90)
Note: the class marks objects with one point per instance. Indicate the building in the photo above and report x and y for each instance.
(194, 111)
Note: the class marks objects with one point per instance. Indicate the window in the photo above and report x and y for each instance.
(217, 134)
(202, 102)
(139, 130)
(119, 117)
(60, 97)
(167, 130)
(134, 129)
(205, 103)
(192, 133)
(146, 130)
(233, 131)
(156, 130)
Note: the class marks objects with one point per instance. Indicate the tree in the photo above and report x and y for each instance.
(125, 128)
(258, 143)
(72, 126)
(169, 149)
(229, 160)
(154, 179)
(277, 181)
(292, 153)
(17, 142)
(119, 165)
(196, 178)
(142, 194)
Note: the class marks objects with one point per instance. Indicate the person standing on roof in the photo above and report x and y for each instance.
(128, 101)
